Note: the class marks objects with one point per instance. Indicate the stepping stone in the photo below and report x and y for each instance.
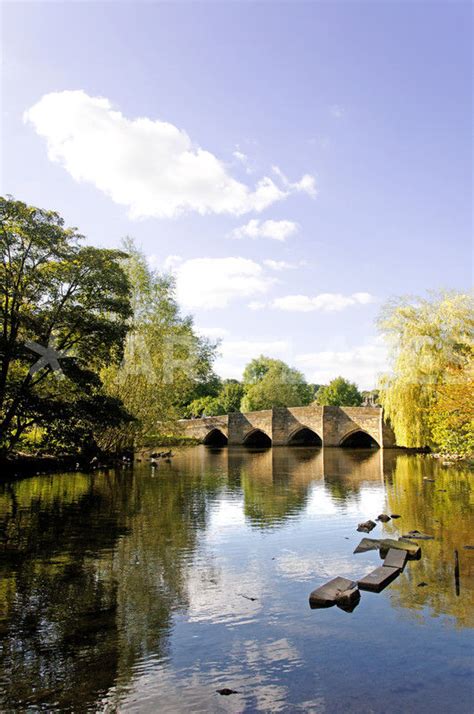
(367, 544)
(378, 579)
(366, 527)
(337, 589)
(385, 544)
(395, 515)
(395, 559)
(383, 518)
(412, 548)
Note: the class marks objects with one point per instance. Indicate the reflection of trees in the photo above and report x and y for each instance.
(275, 483)
(92, 569)
(150, 562)
(440, 509)
(347, 470)
(59, 636)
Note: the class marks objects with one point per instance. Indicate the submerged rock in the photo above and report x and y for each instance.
(422, 584)
(226, 691)
(366, 527)
(395, 515)
(418, 535)
(383, 518)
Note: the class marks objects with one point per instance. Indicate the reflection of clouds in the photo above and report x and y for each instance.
(368, 500)
(252, 670)
(302, 567)
(227, 513)
(216, 593)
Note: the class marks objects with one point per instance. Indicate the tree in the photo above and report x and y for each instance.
(339, 393)
(230, 395)
(56, 294)
(205, 406)
(165, 365)
(431, 352)
(451, 417)
(272, 383)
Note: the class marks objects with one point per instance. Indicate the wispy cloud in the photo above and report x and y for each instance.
(279, 264)
(336, 111)
(325, 302)
(235, 354)
(255, 228)
(362, 363)
(150, 166)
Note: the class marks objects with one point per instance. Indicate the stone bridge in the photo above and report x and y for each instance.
(294, 426)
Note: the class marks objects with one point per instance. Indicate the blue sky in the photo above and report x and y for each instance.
(294, 164)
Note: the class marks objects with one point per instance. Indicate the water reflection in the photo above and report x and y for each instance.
(119, 589)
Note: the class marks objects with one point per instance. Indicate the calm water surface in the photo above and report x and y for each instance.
(146, 592)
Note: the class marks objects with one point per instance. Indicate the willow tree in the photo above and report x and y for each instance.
(431, 346)
(165, 363)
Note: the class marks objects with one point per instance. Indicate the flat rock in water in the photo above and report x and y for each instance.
(378, 579)
(395, 559)
(418, 535)
(385, 544)
(395, 515)
(367, 544)
(327, 595)
(413, 549)
(383, 518)
(366, 527)
(226, 691)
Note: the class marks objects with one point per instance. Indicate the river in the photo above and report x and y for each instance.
(147, 590)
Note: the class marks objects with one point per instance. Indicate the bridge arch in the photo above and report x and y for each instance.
(359, 439)
(215, 437)
(304, 436)
(256, 438)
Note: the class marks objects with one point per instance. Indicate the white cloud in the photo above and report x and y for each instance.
(256, 305)
(307, 183)
(214, 282)
(148, 165)
(235, 354)
(362, 364)
(212, 332)
(255, 228)
(326, 302)
(279, 264)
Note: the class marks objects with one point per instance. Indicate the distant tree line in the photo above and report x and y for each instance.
(131, 364)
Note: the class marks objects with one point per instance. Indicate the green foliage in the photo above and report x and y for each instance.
(166, 365)
(230, 395)
(272, 383)
(54, 291)
(205, 406)
(451, 417)
(339, 393)
(431, 346)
